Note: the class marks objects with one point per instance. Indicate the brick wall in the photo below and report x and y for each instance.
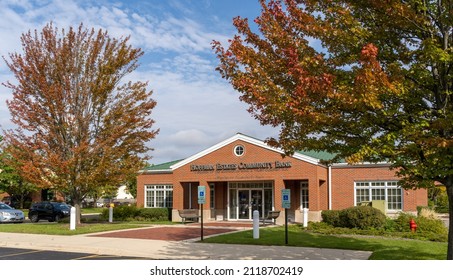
(342, 184)
(343, 179)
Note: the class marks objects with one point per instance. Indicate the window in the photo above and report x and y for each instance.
(303, 195)
(212, 196)
(380, 190)
(362, 195)
(250, 185)
(239, 150)
(159, 196)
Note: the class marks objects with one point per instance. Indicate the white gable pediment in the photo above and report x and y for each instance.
(246, 139)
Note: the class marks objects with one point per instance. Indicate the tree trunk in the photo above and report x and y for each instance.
(78, 213)
(77, 205)
(21, 201)
(450, 220)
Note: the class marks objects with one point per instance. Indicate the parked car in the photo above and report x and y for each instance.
(103, 202)
(51, 211)
(10, 215)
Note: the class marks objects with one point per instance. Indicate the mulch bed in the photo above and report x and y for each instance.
(166, 233)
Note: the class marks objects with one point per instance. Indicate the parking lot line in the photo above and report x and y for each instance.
(21, 253)
(87, 257)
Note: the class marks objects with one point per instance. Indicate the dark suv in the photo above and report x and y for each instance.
(51, 211)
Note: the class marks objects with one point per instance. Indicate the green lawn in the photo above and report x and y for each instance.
(383, 248)
(63, 228)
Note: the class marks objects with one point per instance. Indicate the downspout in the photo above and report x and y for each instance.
(329, 185)
(190, 196)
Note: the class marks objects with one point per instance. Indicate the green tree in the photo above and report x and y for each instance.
(131, 184)
(80, 126)
(368, 80)
(101, 191)
(11, 182)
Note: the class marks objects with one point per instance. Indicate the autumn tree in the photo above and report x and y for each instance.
(367, 80)
(11, 181)
(79, 125)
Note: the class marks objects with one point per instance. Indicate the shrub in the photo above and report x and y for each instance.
(442, 204)
(362, 217)
(427, 213)
(323, 227)
(155, 214)
(427, 229)
(435, 225)
(121, 213)
(125, 212)
(331, 217)
(402, 222)
(390, 225)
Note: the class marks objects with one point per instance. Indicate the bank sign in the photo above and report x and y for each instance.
(240, 166)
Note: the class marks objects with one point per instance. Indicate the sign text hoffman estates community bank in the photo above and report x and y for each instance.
(240, 166)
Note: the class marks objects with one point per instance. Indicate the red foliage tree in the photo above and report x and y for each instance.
(79, 126)
(368, 80)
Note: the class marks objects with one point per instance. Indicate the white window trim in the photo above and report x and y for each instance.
(387, 185)
(236, 148)
(304, 186)
(166, 188)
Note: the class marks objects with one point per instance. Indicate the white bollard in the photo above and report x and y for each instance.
(305, 217)
(256, 224)
(111, 213)
(72, 220)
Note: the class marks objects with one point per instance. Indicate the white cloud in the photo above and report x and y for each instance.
(195, 107)
(188, 138)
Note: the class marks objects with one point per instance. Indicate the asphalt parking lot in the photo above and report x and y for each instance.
(28, 254)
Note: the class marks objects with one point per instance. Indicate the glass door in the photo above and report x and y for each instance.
(257, 202)
(246, 197)
(233, 204)
(244, 204)
(250, 200)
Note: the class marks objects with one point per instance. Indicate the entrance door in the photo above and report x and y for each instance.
(257, 202)
(250, 200)
(244, 204)
(246, 197)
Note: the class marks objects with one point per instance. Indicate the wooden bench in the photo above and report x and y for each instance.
(271, 216)
(191, 214)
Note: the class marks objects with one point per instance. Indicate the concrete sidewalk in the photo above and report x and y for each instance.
(171, 250)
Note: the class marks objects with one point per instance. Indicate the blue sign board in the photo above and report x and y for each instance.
(201, 194)
(286, 198)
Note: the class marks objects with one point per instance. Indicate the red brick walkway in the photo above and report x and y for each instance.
(170, 233)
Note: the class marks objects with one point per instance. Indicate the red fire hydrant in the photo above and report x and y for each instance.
(413, 225)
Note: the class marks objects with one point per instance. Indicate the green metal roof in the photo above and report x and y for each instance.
(162, 166)
(321, 155)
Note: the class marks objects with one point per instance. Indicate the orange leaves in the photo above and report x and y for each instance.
(366, 79)
(278, 73)
(369, 53)
(287, 81)
(83, 127)
(371, 83)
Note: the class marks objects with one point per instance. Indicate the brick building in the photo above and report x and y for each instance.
(242, 174)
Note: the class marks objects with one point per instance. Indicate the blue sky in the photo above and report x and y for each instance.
(196, 108)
